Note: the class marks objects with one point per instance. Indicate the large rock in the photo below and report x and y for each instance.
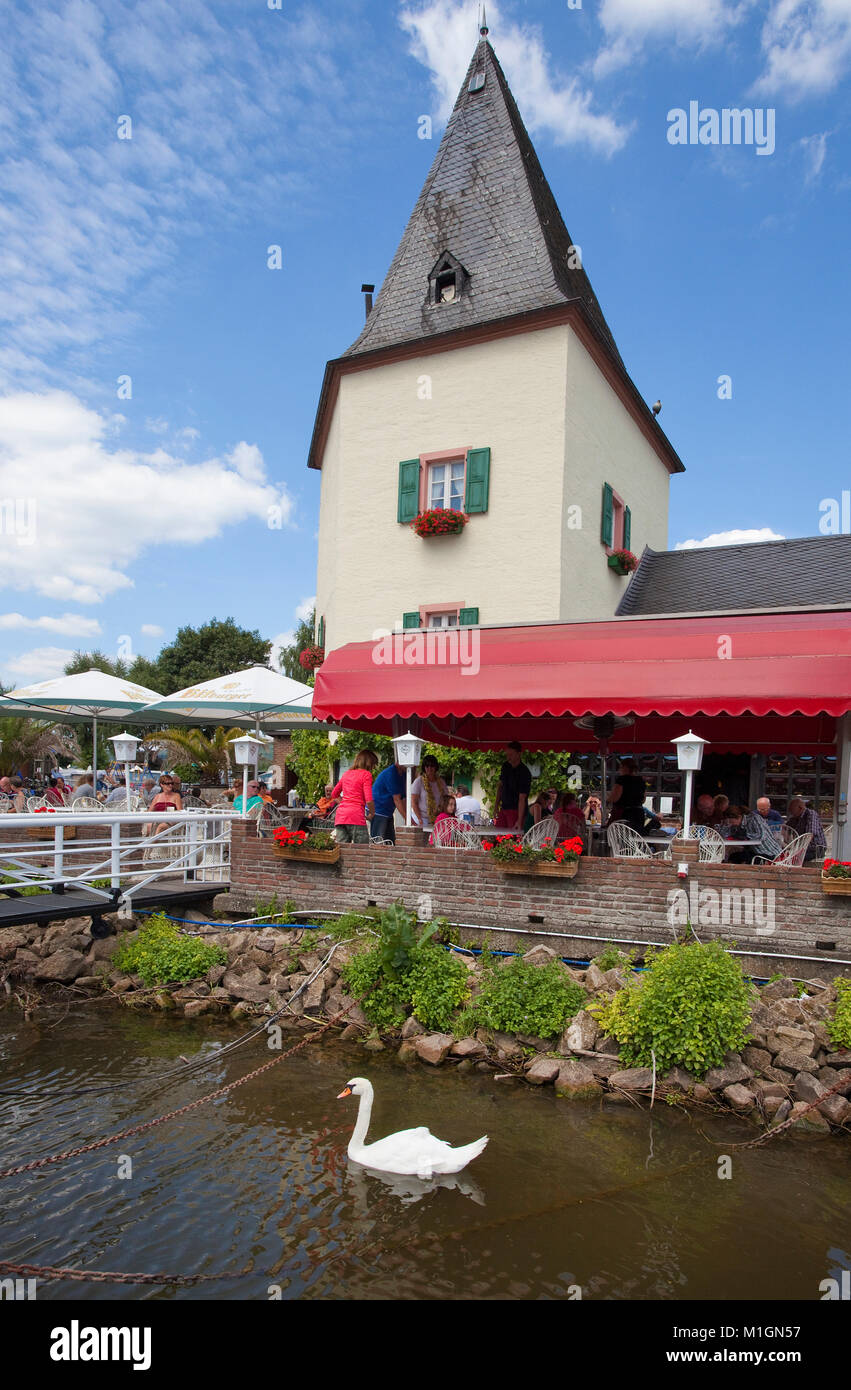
(433, 1047)
(733, 1071)
(602, 1066)
(837, 1110)
(249, 994)
(314, 996)
(795, 1062)
(63, 966)
(757, 1058)
(838, 1059)
(779, 989)
(12, 940)
(215, 974)
(581, 1034)
(249, 975)
(809, 1120)
(575, 1081)
(739, 1097)
(196, 1007)
(102, 948)
(412, 1028)
(770, 1088)
(507, 1049)
(808, 1088)
(614, 979)
(539, 955)
(465, 1047)
(531, 1040)
(632, 1079)
(680, 1080)
(544, 1070)
(595, 979)
(788, 1038)
(610, 1046)
(353, 1012)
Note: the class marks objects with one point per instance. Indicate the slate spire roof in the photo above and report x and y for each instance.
(487, 203)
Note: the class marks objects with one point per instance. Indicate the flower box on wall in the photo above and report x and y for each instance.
(317, 848)
(309, 856)
(622, 561)
(544, 868)
(439, 521)
(510, 856)
(836, 878)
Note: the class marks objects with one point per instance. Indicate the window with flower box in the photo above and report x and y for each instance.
(616, 528)
(451, 479)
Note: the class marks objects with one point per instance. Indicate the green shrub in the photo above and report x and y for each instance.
(517, 997)
(161, 955)
(612, 957)
(277, 916)
(839, 1026)
(691, 1006)
(432, 982)
(348, 925)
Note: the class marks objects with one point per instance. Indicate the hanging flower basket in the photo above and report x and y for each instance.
(440, 521)
(836, 878)
(311, 658)
(622, 561)
(510, 856)
(317, 848)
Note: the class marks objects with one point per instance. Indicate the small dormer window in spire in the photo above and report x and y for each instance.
(477, 81)
(447, 280)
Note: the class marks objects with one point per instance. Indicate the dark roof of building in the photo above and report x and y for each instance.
(486, 202)
(807, 572)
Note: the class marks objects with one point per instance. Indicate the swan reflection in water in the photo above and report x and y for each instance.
(406, 1187)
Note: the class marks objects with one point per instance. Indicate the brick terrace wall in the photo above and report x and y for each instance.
(607, 898)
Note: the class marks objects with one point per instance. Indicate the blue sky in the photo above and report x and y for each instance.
(254, 126)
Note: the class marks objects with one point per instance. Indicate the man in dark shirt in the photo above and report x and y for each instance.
(628, 796)
(512, 794)
(389, 794)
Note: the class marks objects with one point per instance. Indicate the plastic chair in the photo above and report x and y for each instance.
(453, 834)
(792, 854)
(626, 843)
(546, 829)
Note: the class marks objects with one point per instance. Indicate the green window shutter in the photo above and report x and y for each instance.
(409, 489)
(627, 527)
(322, 633)
(606, 534)
(410, 620)
(478, 480)
(468, 617)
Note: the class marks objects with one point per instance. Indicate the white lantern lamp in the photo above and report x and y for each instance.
(125, 752)
(407, 752)
(246, 750)
(689, 760)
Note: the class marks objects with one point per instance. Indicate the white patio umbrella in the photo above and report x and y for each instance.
(89, 695)
(256, 693)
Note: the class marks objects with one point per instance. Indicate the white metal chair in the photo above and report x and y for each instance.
(792, 854)
(194, 803)
(86, 803)
(547, 829)
(35, 803)
(453, 834)
(626, 843)
(712, 845)
(6, 803)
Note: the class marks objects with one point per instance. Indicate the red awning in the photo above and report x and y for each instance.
(766, 682)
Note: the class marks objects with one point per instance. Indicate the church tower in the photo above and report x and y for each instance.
(486, 382)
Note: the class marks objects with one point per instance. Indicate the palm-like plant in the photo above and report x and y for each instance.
(211, 754)
(27, 740)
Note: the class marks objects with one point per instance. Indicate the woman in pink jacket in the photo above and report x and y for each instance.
(355, 791)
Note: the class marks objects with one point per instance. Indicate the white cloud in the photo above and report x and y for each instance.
(68, 624)
(807, 47)
(39, 664)
(815, 152)
(305, 608)
(281, 639)
(731, 538)
(442, 38)
(151, 630)
(631, 24)
(81, 498)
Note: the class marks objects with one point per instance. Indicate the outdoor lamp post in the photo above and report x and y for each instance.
(125, 752)
(689, 760)
(246, 750)
(407, 751)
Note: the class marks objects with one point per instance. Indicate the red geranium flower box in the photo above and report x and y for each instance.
(440, 521)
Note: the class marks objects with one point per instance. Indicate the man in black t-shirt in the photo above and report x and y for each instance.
(628, 795)
(512, 794)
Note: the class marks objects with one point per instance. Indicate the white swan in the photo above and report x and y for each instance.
(412, 1151)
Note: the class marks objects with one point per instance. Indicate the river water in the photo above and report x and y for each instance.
(257, 1187)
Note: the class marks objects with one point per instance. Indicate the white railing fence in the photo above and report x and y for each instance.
(194, 846)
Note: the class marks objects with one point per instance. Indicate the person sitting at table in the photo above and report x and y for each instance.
(326, 803)
(468, 805)
(756, 827)
(593, 810)
(765, 809)
(19, 800)
(703, 810)
(733, 828)
(166, 799)
(720, 809)
(536, 811)
(627, 797)
(569, 815)
(802, 820)
(447, 809)
(55, 792)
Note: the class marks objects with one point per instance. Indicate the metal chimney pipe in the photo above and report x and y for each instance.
(368, 291)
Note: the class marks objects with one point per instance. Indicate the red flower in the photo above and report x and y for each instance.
(311, 657)
(439, 521)
(487, 844)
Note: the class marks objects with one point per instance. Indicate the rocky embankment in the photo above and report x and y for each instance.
(789, 1065)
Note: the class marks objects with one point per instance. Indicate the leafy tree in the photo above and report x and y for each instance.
(207, 754)
(288, 657)
(25, 740)
(203, 653)
(311, 761)
(97, 661)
